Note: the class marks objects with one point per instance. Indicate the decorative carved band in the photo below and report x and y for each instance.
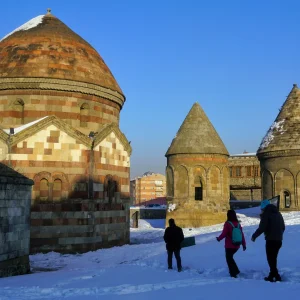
(280, 153)
(61, 85)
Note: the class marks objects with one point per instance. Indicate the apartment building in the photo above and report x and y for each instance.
(149, 187)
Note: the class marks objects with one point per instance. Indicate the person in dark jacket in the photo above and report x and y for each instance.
(272, 225)
(173, 237)
(230, 247)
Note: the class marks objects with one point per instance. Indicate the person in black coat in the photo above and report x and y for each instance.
(272, 225)
(173, 237)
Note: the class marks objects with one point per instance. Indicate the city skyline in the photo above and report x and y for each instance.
(237, 60)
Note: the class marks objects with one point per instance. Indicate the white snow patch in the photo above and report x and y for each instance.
(244, 154)
(28, 25)
(139, 271)
(278, 126)
(171, 207)
(19, 129)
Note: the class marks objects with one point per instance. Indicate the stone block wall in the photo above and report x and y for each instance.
(245, 177)
(81, 111)
(281, 176)
(246, 194)
(15, 198)
(79, 226)
(148, 213)
(185, 173)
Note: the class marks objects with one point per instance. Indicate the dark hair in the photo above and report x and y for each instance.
(171, 222)
(231, 215)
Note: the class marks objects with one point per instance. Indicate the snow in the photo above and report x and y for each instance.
(28, 25)
(19, 129)
(138, 271)
(244, 154)
(278, 126)
(171, 207)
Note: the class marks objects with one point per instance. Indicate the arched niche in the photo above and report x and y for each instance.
(110, 187)
(84, 112)
(225, 183)
(284, 183)
(214, 181)
(267, 184)
(198, 188)
(170, 181)
(19, 108)
(286, 199)
(181, 182)
(44, 189)
(57, 190)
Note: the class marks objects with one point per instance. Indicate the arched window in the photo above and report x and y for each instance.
(84, 111)
(44, 190)
(57, 190)
(287, 199)
(19, 109)
(198, 189)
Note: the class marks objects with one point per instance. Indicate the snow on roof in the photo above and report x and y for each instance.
(19, 129)
(148, 173)
(28, 25)
(244, 154)
(278, 126)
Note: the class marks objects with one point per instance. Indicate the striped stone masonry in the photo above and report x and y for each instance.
(15, 198)
(79, 226)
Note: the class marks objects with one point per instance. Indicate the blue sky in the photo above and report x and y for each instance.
(238, 59)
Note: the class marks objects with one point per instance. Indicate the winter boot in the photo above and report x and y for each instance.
(270, 278)
(277, 277)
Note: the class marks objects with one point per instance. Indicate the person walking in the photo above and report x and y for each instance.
(173, 237)
(272, 225)
(234, 237)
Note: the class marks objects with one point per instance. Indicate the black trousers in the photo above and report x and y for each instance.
(272, 250)
(232, 266)
(177, 256)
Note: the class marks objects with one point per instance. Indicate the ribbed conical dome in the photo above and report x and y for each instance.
(197, 135)
(45, 47)
(284, 134)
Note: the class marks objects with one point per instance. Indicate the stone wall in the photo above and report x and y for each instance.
(63, 164)
(281, 176)
(145, 213)
(79, 226)
(245, 177)
(15, 198)
(84, 112)
(207, 173)
(245, 194)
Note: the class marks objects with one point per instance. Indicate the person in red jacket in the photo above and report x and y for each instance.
(230, 247)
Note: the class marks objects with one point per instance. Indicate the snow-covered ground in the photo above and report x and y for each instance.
(138, 271)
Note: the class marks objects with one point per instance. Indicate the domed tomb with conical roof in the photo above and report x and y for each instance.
(47, 69)
(59, 126)
(279, 154)
(197, 173)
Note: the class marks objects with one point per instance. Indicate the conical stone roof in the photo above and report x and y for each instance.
(197, 135)
(45, 47)
(284, 133)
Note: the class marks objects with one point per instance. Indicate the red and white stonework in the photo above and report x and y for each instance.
(59, 126)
